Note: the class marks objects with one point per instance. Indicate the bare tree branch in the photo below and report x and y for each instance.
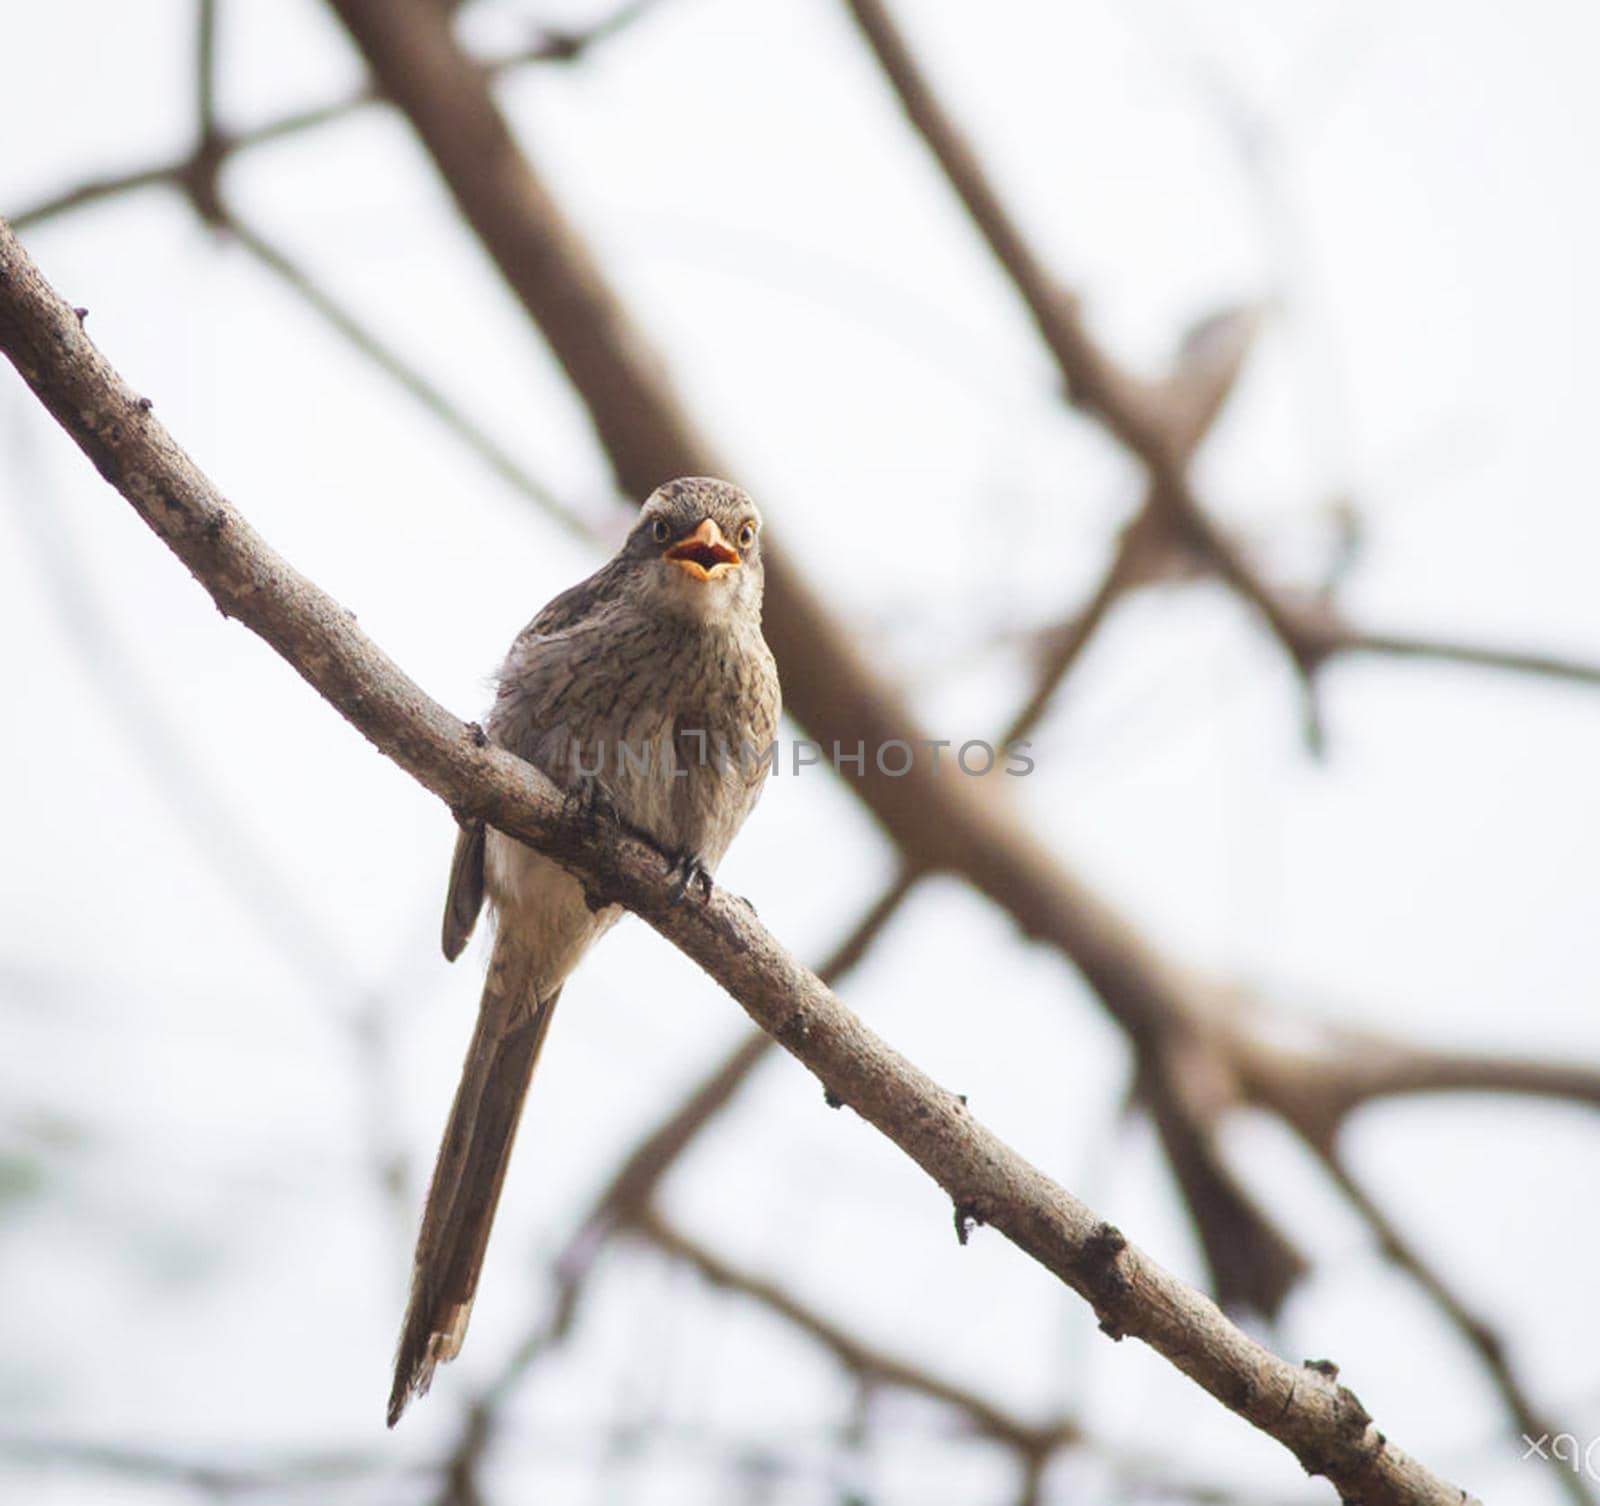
(1304, 1408)
(1316, 1085)
(1344, 640)
(566, 45)
(1155, 423)
(299, 1471)
(164, 174)
(407, 377)
(205, 70)
(1155, 429)
(1386, 1073)
(551, 46)
(1064, 647)
(1031, 1441)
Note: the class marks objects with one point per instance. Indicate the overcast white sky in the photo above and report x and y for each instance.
(191, 1249)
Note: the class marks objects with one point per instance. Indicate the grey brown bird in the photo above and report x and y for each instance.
(647, 691)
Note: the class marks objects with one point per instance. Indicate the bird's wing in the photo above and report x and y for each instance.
(464, 896)
(574, 604)
(539, 667)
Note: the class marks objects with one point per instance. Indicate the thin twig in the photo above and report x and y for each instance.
(201, 176)
(1317, 1086)
(291, 1472)
(1481, 1336)
(205, 70)
(1351, 642)
(409, 378)
(1032, 1441)
(553, 46)
(1066, 645)
(565, 45)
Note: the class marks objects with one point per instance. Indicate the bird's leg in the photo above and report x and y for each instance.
(590, 801)
(690, 873)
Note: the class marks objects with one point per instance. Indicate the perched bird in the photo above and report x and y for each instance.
(638, 691)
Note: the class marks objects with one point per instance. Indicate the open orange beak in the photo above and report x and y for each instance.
(704, 554)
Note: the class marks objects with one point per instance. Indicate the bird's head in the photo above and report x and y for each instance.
(697, 545)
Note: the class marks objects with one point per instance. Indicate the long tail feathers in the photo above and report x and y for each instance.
(469, 1173)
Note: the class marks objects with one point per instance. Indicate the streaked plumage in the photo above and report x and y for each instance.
(660, 653)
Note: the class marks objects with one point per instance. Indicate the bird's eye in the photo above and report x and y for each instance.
(747, 534)
(660, 531)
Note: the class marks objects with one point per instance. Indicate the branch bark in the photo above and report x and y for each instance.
(1318, 1420)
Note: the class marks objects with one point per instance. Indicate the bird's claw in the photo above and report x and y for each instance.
(690, 873)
